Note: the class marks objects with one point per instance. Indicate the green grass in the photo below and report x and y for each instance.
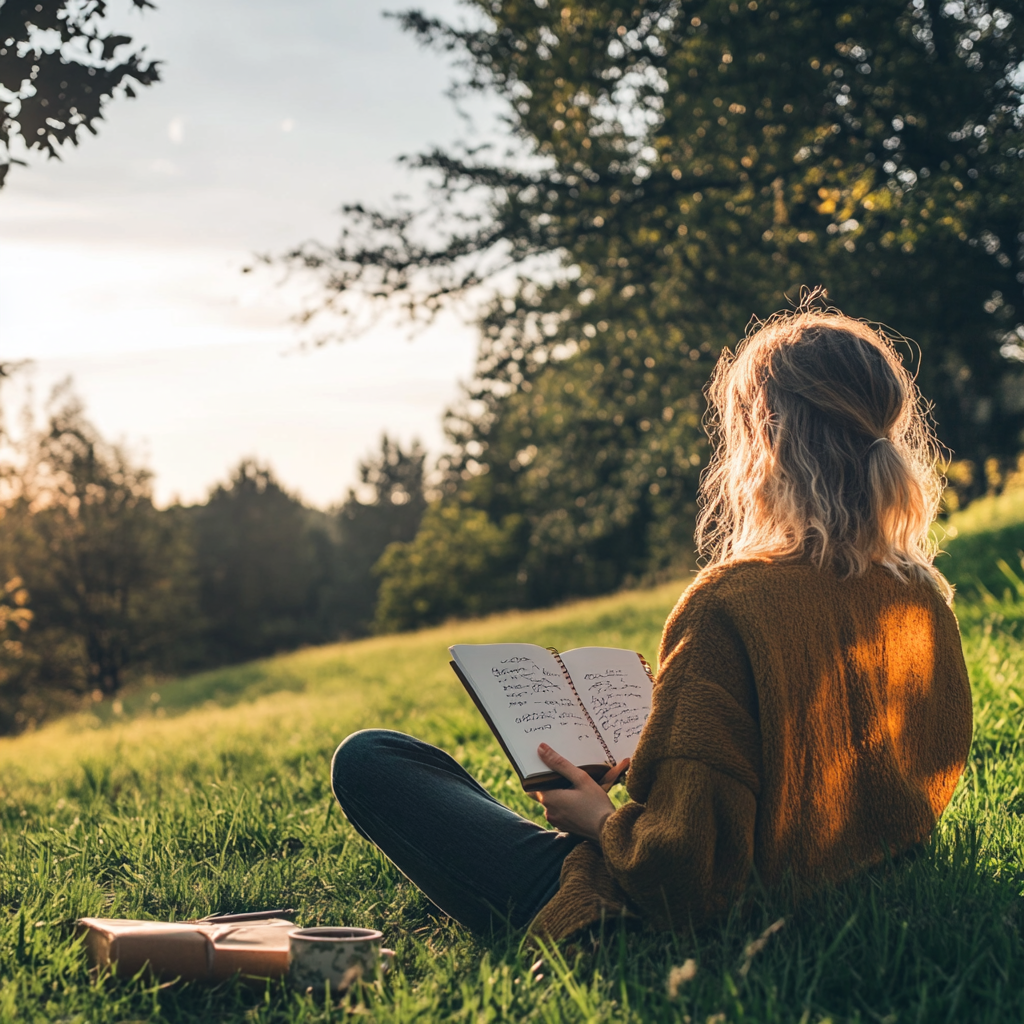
(216, 798)
(984, 546)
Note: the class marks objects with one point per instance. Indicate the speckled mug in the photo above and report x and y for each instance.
(334, 956)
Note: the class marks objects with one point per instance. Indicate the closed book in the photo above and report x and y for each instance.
(208, 950)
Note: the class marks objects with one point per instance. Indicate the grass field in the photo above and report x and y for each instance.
(212, 794)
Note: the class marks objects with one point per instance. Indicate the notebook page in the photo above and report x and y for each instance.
(615, 690)
(529, 701)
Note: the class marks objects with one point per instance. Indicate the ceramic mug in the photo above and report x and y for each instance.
(336, 957)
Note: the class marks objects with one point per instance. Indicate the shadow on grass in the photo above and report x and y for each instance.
(934, 937)
(973, 562)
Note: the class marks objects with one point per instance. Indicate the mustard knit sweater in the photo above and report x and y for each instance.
(799, 723)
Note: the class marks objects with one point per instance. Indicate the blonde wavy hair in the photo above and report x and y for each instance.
(823, 452)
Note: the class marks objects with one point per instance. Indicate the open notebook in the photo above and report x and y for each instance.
(590, 703)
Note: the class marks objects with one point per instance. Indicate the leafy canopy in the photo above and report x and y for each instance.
(705, 158)
(687, 165)
(58, 68)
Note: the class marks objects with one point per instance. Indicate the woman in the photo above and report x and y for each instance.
(812, 712)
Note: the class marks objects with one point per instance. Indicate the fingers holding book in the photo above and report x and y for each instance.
(581, 809)
(562, 765)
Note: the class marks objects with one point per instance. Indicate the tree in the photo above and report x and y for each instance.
(275, 574)
(392, 515)
(15, 618)
(58, 69)
(263, 561)
(690, 163)
(687, 164)
(109, 575)
(459, 563)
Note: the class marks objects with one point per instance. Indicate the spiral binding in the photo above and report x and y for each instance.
(647, 668)
(593, 724)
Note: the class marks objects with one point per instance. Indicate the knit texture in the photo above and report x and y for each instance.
(800, 723)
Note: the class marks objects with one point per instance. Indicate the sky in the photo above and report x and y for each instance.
(120, 265)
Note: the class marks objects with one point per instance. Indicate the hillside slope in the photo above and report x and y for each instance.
(212, 794)
(330, 690)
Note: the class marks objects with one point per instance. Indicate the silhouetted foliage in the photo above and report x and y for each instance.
(264, 563)
(275, 575)
(102, 589)
(58, 69)
(392, 514)
(109, 576)
(687, 163)
(15, 618)
(691, 163)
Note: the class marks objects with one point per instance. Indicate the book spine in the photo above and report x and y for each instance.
(592, 723)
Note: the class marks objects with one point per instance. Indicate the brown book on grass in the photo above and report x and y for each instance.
(210, 950)
(589, 704)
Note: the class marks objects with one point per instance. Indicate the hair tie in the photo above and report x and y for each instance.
(877, 440)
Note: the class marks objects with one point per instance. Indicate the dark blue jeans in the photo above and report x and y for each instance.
(481, 863)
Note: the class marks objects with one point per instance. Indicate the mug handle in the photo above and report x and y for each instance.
(387, 960)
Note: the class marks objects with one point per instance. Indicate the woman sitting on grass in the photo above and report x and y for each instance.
(811, 714)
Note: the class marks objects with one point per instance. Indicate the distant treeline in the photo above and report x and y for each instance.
(103, 588)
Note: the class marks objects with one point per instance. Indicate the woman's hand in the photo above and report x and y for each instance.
(583, 808)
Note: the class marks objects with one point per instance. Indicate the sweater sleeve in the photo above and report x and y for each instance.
(682, 849)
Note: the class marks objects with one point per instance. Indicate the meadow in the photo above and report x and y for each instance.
(212, 794)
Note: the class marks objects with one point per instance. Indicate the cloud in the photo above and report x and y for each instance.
(176, 129)
(161, 166)
(125, 298)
